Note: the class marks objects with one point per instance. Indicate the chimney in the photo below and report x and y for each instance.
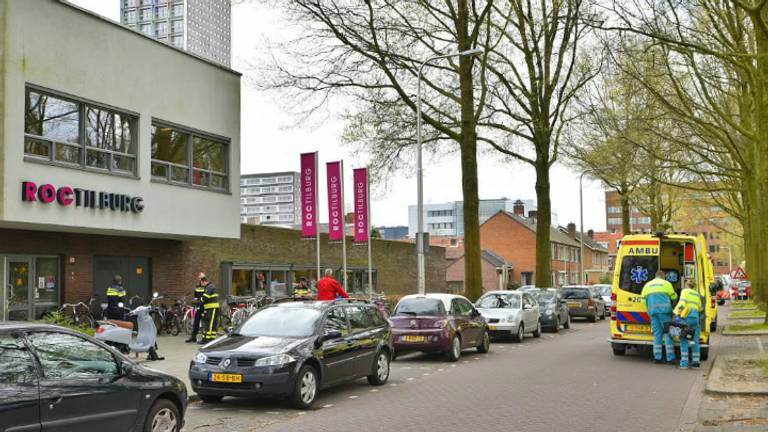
(518, 208)
(532, 214)
(572, 230)
(591, 234)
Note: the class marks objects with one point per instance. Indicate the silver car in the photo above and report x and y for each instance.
(510, 313)
(604, 291)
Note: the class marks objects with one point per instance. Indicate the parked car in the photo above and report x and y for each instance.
(444, 323)
(553, 309)
(527, 288)
(604, 291)
(583, 302)
(741, 290)
(510, 313)
(293, 350)
(52, 378)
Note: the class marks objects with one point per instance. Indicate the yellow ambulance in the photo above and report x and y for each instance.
(683, 258)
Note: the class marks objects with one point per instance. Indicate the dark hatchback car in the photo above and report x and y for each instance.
(293, 350)
(553, 309)
(53, 379)
(584, 302)
(444, 323)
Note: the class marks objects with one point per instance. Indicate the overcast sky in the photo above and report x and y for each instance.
(268, 144)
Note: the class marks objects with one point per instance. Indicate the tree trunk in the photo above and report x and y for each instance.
(473, 275)
(625, 213)
(543, 224)
(759, 176)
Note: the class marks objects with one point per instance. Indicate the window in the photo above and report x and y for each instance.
(162, 28)
(130, 3)
(358, 319)
(285, 179)
(202, 164)
(146, 14)
(374, 317)
(335, 320)
(636, 271)
(712, 249)
(178, 10)
(55, 127)
(178, 26)
(462, 307)
(177, 41)
(17, 365)
(130, 16)
(64, 356)
(162, 12)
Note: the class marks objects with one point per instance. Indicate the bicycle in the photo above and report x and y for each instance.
(171, 322)
(188, 313)
(81, 313)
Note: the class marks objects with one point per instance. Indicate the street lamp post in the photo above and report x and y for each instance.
(420, 262)
(730, 259)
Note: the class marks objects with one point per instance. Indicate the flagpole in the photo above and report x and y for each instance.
(370, 225)
(343, 226)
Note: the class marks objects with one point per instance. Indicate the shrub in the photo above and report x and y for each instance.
(61, 320)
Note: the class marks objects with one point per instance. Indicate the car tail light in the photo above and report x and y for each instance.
(440, 324)
(590, 302)
(613, 296)
(712, 301)
(613, 313)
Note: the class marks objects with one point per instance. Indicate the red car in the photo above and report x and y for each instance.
(741, 290)
(722, 296)
(444, 323)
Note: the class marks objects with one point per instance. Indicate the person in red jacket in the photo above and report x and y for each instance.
(328, 287)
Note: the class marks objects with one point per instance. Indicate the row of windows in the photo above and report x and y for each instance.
(265, 181)
(150, 14)
(441, 225)
(564, 253)
(267, 199)
(267, 190)
(632, 221)
(267, 209)
(135, 3)
(72, 133)
(439, 213)
(161, 28)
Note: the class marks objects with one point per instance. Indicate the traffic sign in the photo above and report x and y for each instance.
(739, 273)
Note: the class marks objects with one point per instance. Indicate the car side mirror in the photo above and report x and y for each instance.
(126, 368)
(475, 313)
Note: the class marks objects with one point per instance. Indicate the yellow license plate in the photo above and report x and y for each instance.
(413, 338)
(226, 378)
(574, 305)
(492, 328)
(635, 328)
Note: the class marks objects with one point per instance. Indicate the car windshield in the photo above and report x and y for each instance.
(499, 301)
(420, 306)
(575, 293)
(281, 322)
(604, 290)
(545, 296)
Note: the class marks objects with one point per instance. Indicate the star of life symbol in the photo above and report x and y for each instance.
(639, 275)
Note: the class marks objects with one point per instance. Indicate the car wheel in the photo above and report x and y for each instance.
(602, 317)
(163, 417)
(557, 325)
(210, 399)
(567, 324)
(619, 349)
(713, 326)
(704, 353)
(520, 333)
(305, 391)
(454, 352)
(537, 332)
(593, 318)
(721, 302)
(380, 373)
(485, 345)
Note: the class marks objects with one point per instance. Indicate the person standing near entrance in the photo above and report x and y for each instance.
(328, 287)
(658, 296)
(689, 310)
(115, 296)
(198, 302)
(210, 320)
(301, 289)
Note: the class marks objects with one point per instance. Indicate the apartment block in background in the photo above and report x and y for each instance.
(202, 27)
(270, 198)
(638, 222)
(447, 219)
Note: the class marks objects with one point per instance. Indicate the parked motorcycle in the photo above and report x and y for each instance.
(120, 334)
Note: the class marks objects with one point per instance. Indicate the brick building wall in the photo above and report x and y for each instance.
(394, 261)
(490, 277)
(512, 241)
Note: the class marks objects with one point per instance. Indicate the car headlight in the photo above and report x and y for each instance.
(511, 318)
(549, 311)
(276, 360)
(200, 358)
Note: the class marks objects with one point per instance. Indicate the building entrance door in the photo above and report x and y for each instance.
(16, 303)
(135, 271)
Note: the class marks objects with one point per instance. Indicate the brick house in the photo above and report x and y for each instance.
(513, 237)
(596, 256)
(495, 271)
(610, 241)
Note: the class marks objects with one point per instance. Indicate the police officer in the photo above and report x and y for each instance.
(210, 311)
(689, 310)
(658, 295)
(198, 302)
(302, 290)
(115, 296)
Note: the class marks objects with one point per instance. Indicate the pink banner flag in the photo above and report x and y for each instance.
(335, 173)
(309, 195)
(360, 180)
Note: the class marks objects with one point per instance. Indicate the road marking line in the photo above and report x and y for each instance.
(353, 397)
(426, 374)
(411, 379)
(393, 385)
(328, 406)
(273, 412)
(759, 344)
(453, 366)
(373, 390)
(440, 370)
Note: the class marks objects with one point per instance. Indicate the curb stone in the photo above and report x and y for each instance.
(745, 333)
(715, 384)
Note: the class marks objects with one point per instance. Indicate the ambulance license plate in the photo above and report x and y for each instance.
(635, 328)
(226, 378)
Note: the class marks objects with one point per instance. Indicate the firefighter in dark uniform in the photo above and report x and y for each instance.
(198, 302)
(115, 296)
(210, 321)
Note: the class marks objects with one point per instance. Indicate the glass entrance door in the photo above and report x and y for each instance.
(17, 300)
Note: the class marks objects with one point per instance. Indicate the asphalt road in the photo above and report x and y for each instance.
(568, 381)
